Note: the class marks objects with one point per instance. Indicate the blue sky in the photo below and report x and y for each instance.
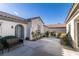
(51, 13)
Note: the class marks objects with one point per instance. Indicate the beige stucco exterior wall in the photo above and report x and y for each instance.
(29, 30)
(73, 31)
(7, 30)
(45, 29)
(57, 29)
(71, 23)
(35, 24)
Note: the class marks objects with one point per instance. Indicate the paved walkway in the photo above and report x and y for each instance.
(43, 47)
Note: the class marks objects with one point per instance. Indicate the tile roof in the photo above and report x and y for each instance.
(56, 25)
(34, 18)
(45, 25)
(72, 12)
(13, 17)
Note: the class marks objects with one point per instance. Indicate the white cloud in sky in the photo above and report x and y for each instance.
(16, 13)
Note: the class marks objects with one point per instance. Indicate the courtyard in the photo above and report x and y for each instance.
(43, 47)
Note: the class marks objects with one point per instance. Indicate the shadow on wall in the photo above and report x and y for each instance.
(70, 41)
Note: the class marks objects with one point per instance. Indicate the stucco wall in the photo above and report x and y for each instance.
(7, 30)
(73, 31)
(45, 29)
(29, 26)
(35, 24)
(71, 23)
(57, 29)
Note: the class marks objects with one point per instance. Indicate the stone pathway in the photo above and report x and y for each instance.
(42, 47)
(67, 51)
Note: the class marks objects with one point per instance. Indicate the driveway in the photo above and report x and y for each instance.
(42, 47)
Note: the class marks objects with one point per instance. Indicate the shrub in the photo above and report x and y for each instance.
(65, 39)
(3, 39)
(58, 34)
(47, 34)
(37, 35)
(43, 35)
(1, 46)
(4, 42)
(27, 38)
(9, 37)
(54, 34)
(33, 35)
(0, 36)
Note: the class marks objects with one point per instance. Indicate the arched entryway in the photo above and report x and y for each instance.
(19, 31)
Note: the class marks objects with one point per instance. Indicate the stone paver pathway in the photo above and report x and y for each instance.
(42, 47)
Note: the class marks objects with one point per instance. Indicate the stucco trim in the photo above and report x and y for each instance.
(72, 11)
(9, 17)
(72, 16)
(34, 18)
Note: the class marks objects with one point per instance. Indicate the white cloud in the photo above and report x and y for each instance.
(16, 13)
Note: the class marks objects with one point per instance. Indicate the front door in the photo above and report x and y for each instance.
(19, 31)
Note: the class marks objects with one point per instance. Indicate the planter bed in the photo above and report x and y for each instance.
(1, 48)
(10, 41)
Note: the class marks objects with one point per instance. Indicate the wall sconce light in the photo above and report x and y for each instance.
(0, 23)
(11, 26)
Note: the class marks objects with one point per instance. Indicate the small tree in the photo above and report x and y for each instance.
(47, 34)
(32, 34)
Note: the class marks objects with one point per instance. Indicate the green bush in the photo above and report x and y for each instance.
(37, 35)
(1, 46)
(27, 38)
(54, 34)
(9, 37)
(33, 35)
(58, 35)
(0, 36)
(64, 39)
(47, 34)
(2, 39)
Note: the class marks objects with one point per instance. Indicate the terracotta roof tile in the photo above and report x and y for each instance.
(15, 18)
(57, 25)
